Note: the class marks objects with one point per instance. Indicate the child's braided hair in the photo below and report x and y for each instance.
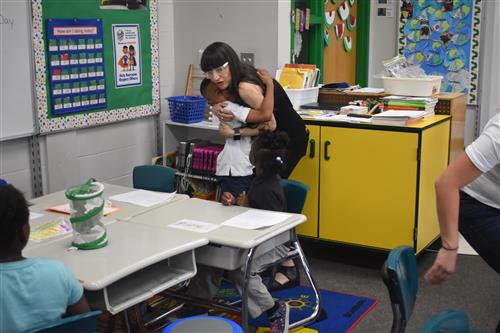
(269, 149)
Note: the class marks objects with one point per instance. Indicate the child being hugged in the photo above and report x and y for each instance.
(265, 192)
(34, 292)
(234, 170)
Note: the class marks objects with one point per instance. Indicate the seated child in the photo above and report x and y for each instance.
(34, 292)
(234, 170)
(265, 192)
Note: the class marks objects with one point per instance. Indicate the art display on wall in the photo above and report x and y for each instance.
(443, 38)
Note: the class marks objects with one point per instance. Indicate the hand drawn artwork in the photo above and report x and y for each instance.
(344, 15)
(443, 38)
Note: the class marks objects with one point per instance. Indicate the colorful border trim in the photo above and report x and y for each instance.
(48, 125)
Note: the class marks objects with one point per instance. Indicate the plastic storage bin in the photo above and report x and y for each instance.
(420, 87)
(300, 97)
(186, 109)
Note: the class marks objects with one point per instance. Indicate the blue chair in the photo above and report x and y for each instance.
(400, 275)
(154, 178)
(82, 323)
(295, 195)
(203, 324)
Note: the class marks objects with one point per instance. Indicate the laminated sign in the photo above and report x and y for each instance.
(127, 55)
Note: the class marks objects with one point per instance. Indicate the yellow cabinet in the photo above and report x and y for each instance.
(373, 185)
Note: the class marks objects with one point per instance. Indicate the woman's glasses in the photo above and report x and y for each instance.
(219, 70)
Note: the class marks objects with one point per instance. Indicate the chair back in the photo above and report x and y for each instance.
(295, 195)
(448, 321)
(82, 323)
(399, 273)
(154, 178)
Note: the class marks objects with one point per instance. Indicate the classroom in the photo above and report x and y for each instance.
(344, 176)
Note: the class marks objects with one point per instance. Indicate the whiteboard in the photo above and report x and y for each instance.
(16, 68)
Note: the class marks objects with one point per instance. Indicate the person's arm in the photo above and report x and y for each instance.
(81, 306)
(228, 132)
(259, 112)
(262, 106)
(460, 173)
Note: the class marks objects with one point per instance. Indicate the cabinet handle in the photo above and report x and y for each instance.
(327, 143)
(312, 148)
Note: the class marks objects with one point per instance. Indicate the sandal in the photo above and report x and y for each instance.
(291, 273)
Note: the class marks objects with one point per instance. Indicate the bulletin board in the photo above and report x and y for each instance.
(443, 38)
(341, 19)
(94, 65)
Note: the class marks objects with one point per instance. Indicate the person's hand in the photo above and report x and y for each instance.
(443, 267)
(242, 199)
(265, 76)
(221, 112)
(228, 199)
(225, 130)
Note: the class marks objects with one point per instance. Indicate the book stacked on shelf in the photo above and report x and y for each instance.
(298, 76)
(426, 104)
(398, 117)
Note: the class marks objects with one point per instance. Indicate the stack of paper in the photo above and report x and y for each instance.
(406, 103)
(397, 117)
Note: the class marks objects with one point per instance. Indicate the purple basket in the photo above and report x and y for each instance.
(186, 109)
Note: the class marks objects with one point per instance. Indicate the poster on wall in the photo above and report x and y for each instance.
(443, 38)
(76, 65)
(127, 55)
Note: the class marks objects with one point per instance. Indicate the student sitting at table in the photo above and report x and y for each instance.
(265, 192)
(34, 292)
(234, 171)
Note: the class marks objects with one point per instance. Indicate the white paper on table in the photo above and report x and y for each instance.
(256, 219)
(193, 225)
(144, 198)
(34, 215)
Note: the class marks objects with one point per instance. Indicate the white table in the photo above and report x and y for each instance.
(231, 247)
(126, 211)
(138, 262)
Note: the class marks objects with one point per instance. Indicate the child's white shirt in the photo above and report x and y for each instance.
(234, 159)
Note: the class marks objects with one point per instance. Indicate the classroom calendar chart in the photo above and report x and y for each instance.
(76, 65)
(127, 55)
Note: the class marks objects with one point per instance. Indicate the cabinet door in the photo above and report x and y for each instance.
(368, 186)
(307, 171)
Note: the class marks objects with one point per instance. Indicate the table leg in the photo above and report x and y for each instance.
(305, 266)
(244, 298)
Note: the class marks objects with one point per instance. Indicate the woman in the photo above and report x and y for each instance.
(468, 199)
(241, 84)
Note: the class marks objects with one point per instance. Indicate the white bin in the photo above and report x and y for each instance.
(300, 97)
(420, 87)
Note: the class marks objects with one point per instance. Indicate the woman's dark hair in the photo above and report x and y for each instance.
(269, 150)
(218, 53)
(14, 214)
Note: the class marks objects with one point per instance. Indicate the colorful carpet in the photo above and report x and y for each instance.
(342, 312)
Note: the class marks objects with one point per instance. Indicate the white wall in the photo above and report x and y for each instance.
(248, 26)
(383, 42)
(15, 164)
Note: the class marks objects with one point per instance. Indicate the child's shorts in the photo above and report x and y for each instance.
(234, 184)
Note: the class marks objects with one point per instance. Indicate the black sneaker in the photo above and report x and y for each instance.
(280, 318)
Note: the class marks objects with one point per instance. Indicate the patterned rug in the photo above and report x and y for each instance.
(341, 312)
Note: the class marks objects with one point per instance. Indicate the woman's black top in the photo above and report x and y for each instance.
(289, 121)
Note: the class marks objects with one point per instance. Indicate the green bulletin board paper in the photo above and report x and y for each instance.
(123, 103)
(117, 98)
